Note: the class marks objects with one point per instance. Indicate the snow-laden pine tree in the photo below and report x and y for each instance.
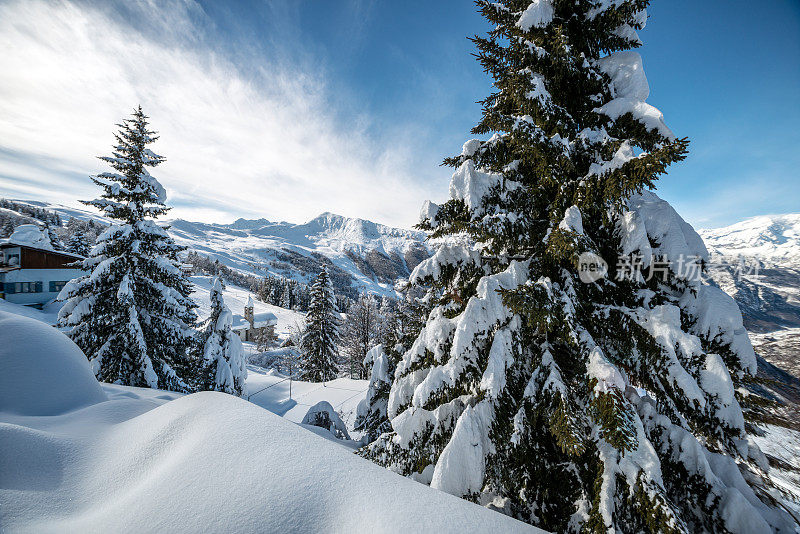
(78, 243)
(132, 315)
(319, 344)
(401, 324)
(601, 405)
(371, 413)
(55, 240)
(223, 361)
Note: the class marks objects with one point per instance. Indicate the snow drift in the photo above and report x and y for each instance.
(209, 462)
(42, 372)
(136, 460)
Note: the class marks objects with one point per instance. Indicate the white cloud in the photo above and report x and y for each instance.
(246, 139)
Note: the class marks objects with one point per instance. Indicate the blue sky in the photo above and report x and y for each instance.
(287, 109)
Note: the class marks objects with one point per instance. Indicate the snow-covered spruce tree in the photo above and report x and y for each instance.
(401, 324)
(576, 406)
(319, 344)
(132, 315)
(223, 362)
(371, 413)
(79, 244)
(55, 241)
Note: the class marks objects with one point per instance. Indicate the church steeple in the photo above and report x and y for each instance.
(248, 311)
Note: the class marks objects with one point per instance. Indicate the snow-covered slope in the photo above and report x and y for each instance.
(766, 251)
(365, 255)
(133, 460)
(270, 390)
(771, 238)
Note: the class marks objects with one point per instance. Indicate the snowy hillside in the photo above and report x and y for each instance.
(766, 250)
(236, 298)
(369, 256)
(361, 255)
(78, 456)
(771, 238)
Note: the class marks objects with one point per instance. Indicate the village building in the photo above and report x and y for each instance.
(253, 326)
(31, 272)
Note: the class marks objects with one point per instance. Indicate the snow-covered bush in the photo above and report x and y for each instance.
(323, 415)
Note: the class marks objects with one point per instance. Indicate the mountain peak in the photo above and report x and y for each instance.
(773, 238)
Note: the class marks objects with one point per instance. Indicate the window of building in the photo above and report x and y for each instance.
(57, 286)
(28, 287)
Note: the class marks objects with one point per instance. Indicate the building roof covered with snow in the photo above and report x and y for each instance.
(260, 320)
(30, 236)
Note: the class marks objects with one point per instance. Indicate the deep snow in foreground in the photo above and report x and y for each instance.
(118, 458)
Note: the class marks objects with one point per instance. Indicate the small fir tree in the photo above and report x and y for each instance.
(371, 413)
(79, 244)
(132, 315)
(319, 344)
(223, 362)
(266, 338)
(568, 399)
(55, 240)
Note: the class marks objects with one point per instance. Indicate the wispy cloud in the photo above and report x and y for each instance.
(243, 135)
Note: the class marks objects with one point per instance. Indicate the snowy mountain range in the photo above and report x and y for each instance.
(365, 255)
(360, 255)
(767, 250)
(774, 239)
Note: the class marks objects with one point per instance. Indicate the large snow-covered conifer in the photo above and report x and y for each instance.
(319, 343)
(132, 315)
(572, 399)
(223, 362)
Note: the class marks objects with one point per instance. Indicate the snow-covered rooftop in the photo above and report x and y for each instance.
(260, 320)
(30, 235)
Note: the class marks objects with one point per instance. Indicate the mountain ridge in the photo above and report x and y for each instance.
(770, 238)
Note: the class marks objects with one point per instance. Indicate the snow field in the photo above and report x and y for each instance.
(270, 390)
(140, 460)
